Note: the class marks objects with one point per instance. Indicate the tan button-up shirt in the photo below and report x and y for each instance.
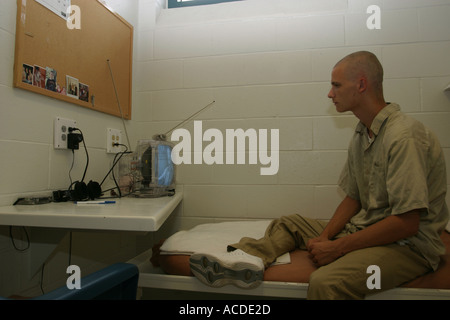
(400, 169)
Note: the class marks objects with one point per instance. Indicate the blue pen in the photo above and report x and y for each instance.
(95, 202)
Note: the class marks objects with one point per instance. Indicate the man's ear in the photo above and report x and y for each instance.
(362, 85)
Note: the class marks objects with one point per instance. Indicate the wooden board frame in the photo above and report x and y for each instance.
(43, 39)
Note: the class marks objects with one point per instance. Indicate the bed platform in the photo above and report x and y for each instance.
(155, 277)
(172, 272)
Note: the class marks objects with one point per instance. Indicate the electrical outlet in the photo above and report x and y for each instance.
(113, 136)
(61, 131)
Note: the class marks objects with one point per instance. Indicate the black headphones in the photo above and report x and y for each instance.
(81, 191)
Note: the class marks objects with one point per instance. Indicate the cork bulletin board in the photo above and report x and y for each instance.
(71, 64)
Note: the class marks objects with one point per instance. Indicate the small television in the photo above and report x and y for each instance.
(149, 172)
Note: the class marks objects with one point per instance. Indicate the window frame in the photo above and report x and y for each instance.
(175, 4)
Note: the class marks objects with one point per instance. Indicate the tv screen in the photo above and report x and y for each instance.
(148, 172)
(165, 172)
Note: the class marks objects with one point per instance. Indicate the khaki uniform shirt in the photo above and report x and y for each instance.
(402, 168)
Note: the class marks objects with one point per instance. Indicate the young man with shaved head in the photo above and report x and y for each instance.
(391, 217)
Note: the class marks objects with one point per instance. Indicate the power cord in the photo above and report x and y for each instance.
(14, 242)
(78, 190)
(117, 159)
(41, 283)
(71, 130)
(71, 167)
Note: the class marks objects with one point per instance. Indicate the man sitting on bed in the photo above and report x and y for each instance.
(391, 217)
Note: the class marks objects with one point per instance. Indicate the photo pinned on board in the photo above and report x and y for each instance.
(50, 79)
(72, 87)
(84, 92)
(27, 73)
(39, 76)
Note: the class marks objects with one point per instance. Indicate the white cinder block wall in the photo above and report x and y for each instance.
(30, 166)
(267, 64)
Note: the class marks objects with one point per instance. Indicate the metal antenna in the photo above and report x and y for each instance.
(163, 137)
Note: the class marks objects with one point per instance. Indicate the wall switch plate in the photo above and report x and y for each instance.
(61, 131)
(113, 136)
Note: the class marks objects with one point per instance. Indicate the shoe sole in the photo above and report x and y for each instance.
(215, 273)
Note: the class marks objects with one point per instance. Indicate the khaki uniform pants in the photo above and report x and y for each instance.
(345, 278)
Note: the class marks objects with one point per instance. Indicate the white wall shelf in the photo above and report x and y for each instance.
(127, 214)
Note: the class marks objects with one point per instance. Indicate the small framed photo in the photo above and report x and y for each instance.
(39, 77)
(72, 87)
(84, 92)
(27, 73)
(50, 79)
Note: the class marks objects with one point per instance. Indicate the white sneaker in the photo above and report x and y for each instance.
(236, 267)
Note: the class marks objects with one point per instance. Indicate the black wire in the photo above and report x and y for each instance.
(115, 180)
(71, 167)
(70, 248)
(117, 159)
(41, 285)
(87, 157)
(85, 149)
(14, 243)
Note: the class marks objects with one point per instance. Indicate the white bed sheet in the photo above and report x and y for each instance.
(215, 237)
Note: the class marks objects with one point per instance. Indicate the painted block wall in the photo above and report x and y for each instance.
(267, 64)
(29, 166)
